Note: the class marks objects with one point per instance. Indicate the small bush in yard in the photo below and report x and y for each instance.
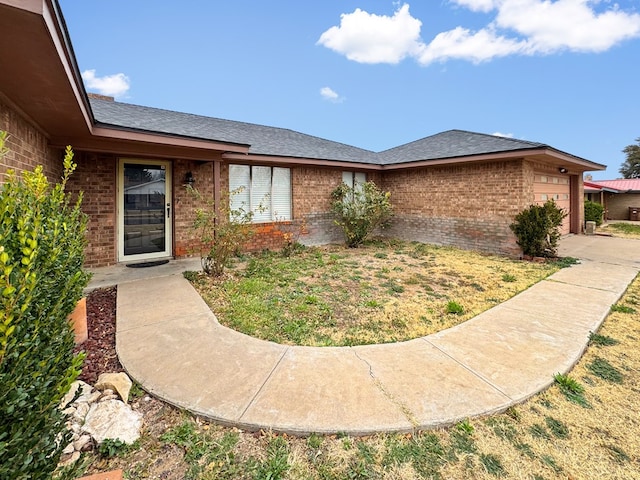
(593, 212)
(221, 232)
(537, 229)
(41, 256)
(360, 210)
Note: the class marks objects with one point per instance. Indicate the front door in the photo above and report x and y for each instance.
(144, 213)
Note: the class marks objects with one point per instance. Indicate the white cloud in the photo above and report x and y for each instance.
(477, 5)
(567, 25)
(329, 94)
(370, 38)
(519, 27)
(112, 85)
(464, 44)
(500, 134)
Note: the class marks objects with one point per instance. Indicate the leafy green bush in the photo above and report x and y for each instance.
(593, 212)
(221, 232)
(537, 229)
(41, 256)
(360, 210)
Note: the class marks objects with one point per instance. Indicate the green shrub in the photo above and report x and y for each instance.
(41, 256)
(593, 212)
(221, 232)
(537, 229)
(360, 210)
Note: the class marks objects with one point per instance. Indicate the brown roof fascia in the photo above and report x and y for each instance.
(295, 161)
(62, 41)
(114, 133)
(542, 154)
(127, 142)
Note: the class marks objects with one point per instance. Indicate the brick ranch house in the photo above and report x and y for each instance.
(455, 188)
(620, 198)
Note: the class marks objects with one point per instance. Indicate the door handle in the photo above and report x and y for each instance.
(168, 210)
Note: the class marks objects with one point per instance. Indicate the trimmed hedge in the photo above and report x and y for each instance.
(41, 256)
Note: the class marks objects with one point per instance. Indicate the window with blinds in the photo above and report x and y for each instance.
(266, 191)
(354, 179)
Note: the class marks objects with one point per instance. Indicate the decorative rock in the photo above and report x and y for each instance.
(119, 382)
(81, 412)
(68, 449)
(113, 419)
(85, 388)
(91, 397)
(68, 459)
(81, 442)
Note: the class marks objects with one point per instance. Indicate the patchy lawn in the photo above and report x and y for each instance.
(594, 434)
(624, 230)
(382, 292)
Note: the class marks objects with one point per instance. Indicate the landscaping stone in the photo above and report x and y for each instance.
(117, 382)
(98, 414)
(112, 419)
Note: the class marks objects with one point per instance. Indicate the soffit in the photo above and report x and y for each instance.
(39, 75)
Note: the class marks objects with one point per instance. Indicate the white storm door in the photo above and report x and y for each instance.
(144, 209)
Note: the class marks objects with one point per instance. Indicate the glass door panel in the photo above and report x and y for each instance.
(145, 210)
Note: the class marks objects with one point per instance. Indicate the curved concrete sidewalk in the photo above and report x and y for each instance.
(170, 342)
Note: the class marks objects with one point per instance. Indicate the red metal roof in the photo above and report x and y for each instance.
(621, 184)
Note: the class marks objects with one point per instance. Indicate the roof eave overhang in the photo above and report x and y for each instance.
(547, 155)
(44, 81)
(117, 140)
(299, 161)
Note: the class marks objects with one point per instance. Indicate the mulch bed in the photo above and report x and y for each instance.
(100, 347)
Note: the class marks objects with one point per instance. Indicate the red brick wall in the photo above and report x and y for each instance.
(28, 146)
(312, 189)
(470, 206)
(185, 203)
(96, 176)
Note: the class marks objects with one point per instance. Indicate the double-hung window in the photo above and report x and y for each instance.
(354, 180)
(265, 191)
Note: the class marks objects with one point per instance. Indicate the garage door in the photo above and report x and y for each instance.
(556, 188)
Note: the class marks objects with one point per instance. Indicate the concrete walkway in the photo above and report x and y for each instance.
(170, 342)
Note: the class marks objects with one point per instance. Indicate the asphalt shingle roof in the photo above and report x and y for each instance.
(263, 140)
(454, 143)
(274, 141)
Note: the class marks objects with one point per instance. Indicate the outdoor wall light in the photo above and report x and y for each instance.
(563, 170)
(189, 180)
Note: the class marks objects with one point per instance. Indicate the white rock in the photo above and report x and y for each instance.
(84, 388)
(81, 412)
(80, 443)
(104, 398)
(113, 419)
(91, 397)
(69, 411)
(118, 382)
(68, 449)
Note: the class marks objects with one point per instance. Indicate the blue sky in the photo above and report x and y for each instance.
(378, 74)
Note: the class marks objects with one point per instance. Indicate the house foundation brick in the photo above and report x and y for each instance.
(27, 145)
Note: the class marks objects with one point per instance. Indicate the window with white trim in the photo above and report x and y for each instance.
(265, 191)
(354, 179)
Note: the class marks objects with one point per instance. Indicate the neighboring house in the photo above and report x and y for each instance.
(620, 198)
(454, 188)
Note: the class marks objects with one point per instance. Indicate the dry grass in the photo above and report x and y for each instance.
(621, 229)
(380, 293)
(548, 437)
